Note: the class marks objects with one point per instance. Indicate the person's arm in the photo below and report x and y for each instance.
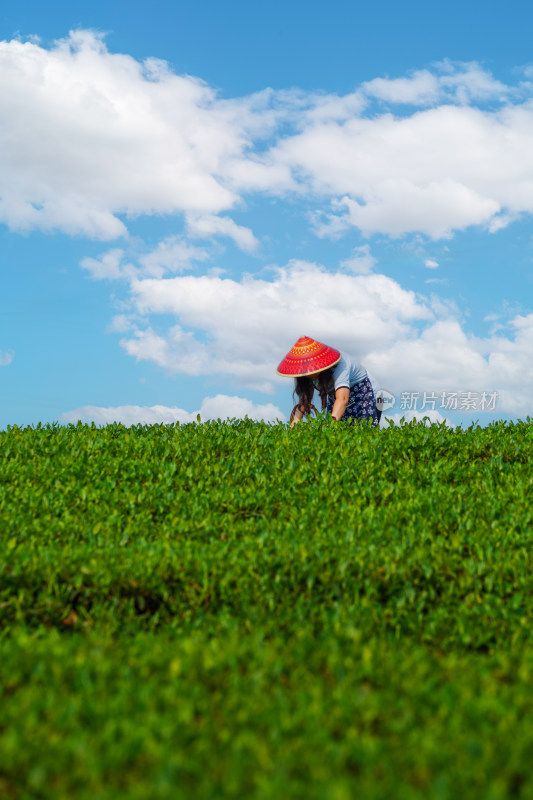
(297, 417)
(342, 396)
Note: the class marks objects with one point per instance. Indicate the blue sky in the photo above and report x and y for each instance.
(184, 192)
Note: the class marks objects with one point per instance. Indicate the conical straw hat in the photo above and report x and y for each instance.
(306, 357)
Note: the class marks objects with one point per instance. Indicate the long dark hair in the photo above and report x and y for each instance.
(305, 389)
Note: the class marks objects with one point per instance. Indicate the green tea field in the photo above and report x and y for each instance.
(238, 610)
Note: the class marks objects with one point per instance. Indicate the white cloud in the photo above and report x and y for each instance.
(6, 357)
(122, 323)
(435, 171)
(421, 88)
(400, 206)
(109, 266)
(89, 134)
(224, 406)
(127, 415)
(321, 108)
(431, 263)
(247, 324)
(362, 261)
(497, 324)
(467, 82)
(91, 138)
(173, 254)
(443, 357)
(244, 328)
(210, 225)
(501, 221)
(177, 351)
(219, 407)
(456, 83)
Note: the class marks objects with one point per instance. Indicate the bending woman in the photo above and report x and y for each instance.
(342, 382)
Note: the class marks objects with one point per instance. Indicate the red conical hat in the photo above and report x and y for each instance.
(306, 357)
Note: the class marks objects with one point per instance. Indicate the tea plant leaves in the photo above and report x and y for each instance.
(240, 610)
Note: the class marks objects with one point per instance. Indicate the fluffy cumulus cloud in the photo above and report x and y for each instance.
(88, 135)
(218, 407)
(437, 170)
(411, 344)
(237, 327)
(91, 137)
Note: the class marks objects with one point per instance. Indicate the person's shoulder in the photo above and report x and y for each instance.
(340, 365)
(352, 370)
(351, 360)
(346, 360)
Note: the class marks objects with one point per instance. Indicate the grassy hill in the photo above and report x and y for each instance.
(239, 610)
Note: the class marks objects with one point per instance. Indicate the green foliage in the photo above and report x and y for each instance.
(241, 610)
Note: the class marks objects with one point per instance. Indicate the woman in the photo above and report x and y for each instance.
(343, 384)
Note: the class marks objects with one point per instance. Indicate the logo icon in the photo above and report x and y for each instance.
(384, 400)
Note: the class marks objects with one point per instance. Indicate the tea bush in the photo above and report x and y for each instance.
(240, 610)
